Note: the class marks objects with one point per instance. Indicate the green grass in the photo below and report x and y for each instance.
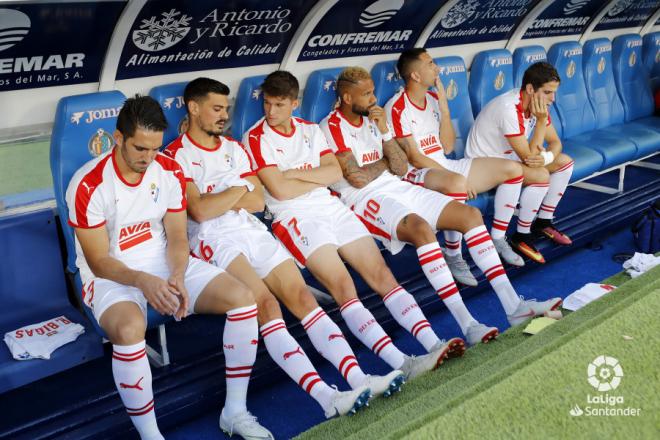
(25, 167)
(524, 386)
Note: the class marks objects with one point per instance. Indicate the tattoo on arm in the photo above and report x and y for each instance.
(360, 176)
(398, 161)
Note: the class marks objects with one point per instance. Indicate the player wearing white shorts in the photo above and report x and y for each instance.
(396, 211)
(128, 210)
(295, 164)
(422, 125)
(514, 126)
(222, 192)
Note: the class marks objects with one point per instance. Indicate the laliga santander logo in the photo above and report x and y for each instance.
(155, 35)
(459, 13)
(14, 26)
(604, 373)
(379, 12)
(573, 6)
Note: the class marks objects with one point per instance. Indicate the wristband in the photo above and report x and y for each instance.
(548, 157)
(387, 136)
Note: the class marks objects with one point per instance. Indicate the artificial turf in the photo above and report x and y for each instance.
(524, 387)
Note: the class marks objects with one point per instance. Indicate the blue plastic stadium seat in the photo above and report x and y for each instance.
(523, 57)
(74, 142)
(454, 78)
(575, 111)
(491, 75)
(320, 94)
(651, 54)
(387, 81)
(170, 98)
(632, 81)
(608, 110)
(30, 241)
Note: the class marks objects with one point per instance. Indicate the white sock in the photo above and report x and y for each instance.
(558, 183)
(453, 238)
(406, 311)
(291, 358)
(436, 271)
(364, 326)
(329, 341)
(485, 256)
(530, 200)
(239, 343)
(130, 369)
(506, 199)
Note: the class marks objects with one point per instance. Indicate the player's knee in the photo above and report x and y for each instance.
(268, 307)
(471, 217)
(563, 159)
(512, 169)
(418, 227)
(537, 175)
(343, 288)
(304, 299)
(457, 183)
(127, 332)
(241, 296)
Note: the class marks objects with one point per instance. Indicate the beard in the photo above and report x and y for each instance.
(362, 111)
(215, 129)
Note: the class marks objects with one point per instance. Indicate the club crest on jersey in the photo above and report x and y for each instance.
(307, 142)
(155, 192)
(372, 128)
(229, 160)
(134, 234)
(100, 142)
(436, 115)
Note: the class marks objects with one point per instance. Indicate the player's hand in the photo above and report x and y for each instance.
(377, 115)
(535, 161)
(539, 108)
(471, 193)
(442, 94)
(177, 282)
(157, 291)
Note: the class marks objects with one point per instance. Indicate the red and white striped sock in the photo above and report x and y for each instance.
(330, 342)
(364, 326)
(130, 369)
(453, 238)
(239, 343)
(485, 256)
(291, 358)
(506, 199)
(530, 201)
(406, 311)
(436, 271)
(558, 183)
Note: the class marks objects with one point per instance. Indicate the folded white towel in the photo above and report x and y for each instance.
(38, 341)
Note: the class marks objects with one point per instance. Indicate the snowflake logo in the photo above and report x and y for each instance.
(459, 13)
(155, 35)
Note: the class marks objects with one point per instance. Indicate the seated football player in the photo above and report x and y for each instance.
(515, 126)
(222, 192)
(422, 125)
(397, 212)
(128, 208)
(296, 165)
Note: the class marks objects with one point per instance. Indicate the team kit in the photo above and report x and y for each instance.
(175, 229)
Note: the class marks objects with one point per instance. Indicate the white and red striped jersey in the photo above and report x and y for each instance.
(213, 171)
(132, 213)
(503, 117)
(364, 141)
(422, 123)
(301, 149)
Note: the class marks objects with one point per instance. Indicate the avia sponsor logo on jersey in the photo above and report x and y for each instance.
(430, 144)
(134, 234)
(503, 61)
(94, 115)
(371, 156)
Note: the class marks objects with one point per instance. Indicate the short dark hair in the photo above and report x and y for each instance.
(281, 84)
(143, 112)
(199, 88)
(540, 73)
(406, 59)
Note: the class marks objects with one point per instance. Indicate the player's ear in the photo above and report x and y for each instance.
(295, 103)
(529, 88)
(415, 76)
(119, 137)
(193, 107)
(347, 98)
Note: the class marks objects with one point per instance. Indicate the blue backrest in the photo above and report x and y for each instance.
(320, 94)
(571, 100)
(82, 130)
(651, 54)
(387, 81)
(454, 77)
(630, 76)
(599, 81)
(523, 57)
(491, 75)
(170, 98)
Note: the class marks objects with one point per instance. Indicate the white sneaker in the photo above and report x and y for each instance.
(413, 366)
(460, 270)
(348, 402)
(245, 425)
(530, 308)
(385, 385)
(478, 332)
(507, 254)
